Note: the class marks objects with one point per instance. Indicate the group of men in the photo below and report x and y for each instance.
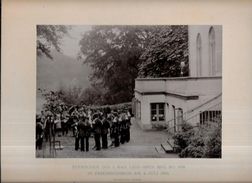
(113, 125)
(85, 123)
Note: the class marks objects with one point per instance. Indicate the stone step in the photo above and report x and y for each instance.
(167, 148)
(174, 146)
(159, 150)
(170, 142)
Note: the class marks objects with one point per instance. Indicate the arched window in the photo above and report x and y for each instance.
(179, 118)
(198, 55)
(212, 52)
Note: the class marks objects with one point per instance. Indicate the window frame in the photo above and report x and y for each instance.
(157, 110)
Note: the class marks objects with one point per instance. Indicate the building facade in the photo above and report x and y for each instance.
(197, 98)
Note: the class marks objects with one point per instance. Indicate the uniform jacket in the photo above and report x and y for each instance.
(105, 126)
(97, 126)
(84, 129)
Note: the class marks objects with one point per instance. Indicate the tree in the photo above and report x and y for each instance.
(53, 100)
(167, 49)
(49, 37)
(71, 95)
(113, 52)
(93, 96)
(119, 54)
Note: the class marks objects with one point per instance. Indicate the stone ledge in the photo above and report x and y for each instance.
(181, 96)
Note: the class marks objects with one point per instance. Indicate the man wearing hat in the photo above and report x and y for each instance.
(84, 133)
(87, 132)
(114, 132)
(128, 124)
(97, 132)
(104, 131)
(123, 128)
(47, 126)
(65, 119)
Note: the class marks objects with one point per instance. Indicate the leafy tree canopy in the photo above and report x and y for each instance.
(49, 37)
(113, 53)
(119, 54)
(167, 49)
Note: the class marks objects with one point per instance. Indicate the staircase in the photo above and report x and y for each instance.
(209, 111)
(167, 147)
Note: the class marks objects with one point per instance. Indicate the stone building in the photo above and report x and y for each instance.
(197, 98)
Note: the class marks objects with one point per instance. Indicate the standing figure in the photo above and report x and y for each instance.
(43, 117)
(58, 125)
(81, 129)
(84, 134)
(64, 124)
(87, 132)
(114, 133)
(69, 123)
(127, 129)
(47, 127)
(39, 133)
(89, 114)
(117, 134)
(97, 133)
(76, 133)
(104, 132)
(123, 129)
(52, 126)
(120, 129)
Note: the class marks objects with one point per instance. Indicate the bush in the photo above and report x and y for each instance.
(195, 148)
(193, 152)
(213, 145)
(181, 139)
(186, 127)
(202, 142)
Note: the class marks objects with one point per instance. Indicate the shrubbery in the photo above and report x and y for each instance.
(121, 106)
(214, 144)
(201, 142)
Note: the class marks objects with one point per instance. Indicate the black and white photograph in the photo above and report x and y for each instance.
(128, 91)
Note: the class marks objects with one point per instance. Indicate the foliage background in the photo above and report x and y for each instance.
(117, 55)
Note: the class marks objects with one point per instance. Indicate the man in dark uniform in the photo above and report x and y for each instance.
(39, 133)
(65, 124)
(48, 127)
(104, 131)
(81, 130)
(87, 132)
(120, 129)
(114, 132)
(123, 129)
(97, 133)
(117, 134)
(127, 127)
(69, 123)
(84, 133)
